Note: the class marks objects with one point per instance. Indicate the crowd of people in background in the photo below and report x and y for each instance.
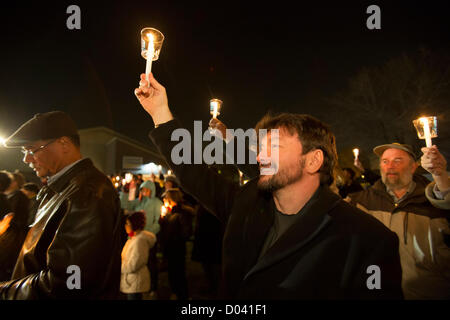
(159, 221)
(173, 218)
(18, 205)
(398, 219)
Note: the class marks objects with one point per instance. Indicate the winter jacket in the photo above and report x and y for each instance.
(78, 223)
(151, 206)
(176, 229)
(135, 275)
(422, 226)
(326, 254)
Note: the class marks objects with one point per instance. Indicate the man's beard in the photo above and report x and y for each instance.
(284, 177)
(395, 183)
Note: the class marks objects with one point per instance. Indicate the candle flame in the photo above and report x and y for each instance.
(356, 152)
(423, 120)
(164, 210)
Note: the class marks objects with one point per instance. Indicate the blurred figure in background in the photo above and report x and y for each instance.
(158, 185)
(151, 206)
(176, 228)
(12, 239)
(5, 220)
(207, 249)
(19, 202)
(135, 276)
(31, 190)
(5, 181)
(367, 177)
(349, 184)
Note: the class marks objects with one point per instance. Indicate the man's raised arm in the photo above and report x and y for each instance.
(212, 190)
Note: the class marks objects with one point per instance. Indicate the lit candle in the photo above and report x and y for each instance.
(215, 106)
(426, 131)
(356, 153)
(164, 210)
(150, 53)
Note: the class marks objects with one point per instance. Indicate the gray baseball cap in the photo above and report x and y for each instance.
(379, 150)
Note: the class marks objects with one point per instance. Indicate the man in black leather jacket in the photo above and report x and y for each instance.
(72, 249)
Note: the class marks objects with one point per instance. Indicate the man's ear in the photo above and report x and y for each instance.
(314, 161)
(65, 143)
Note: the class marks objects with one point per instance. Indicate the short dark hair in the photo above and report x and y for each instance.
(137, 220)
(19, 178)
(312, 133)
(32, 187)
(174, 194)
(5, 180)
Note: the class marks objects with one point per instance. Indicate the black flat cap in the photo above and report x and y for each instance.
(43, 126)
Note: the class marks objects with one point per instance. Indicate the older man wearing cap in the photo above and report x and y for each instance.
(417, 213)
(72, 249)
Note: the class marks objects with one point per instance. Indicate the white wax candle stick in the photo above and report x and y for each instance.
(215, 111)
(426, 131)
(148, 69)
(150, 53)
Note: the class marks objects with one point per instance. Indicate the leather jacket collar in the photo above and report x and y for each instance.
(59, 184)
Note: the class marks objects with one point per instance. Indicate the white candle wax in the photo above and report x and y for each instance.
(215, 110)
(150, 53)
(426, 132)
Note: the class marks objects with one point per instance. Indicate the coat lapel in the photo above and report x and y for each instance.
(257, 226)
(312, 222)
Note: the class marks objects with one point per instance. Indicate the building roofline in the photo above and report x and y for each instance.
(123, 138)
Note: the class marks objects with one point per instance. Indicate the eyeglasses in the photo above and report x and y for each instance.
(33, 152)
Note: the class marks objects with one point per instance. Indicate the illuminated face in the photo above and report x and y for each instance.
(146, 192)
(288, 164)
(128, 227)
(396, 168)
(168, 185)
(43, 156)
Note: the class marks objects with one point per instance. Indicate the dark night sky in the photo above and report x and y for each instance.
(254, 57)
